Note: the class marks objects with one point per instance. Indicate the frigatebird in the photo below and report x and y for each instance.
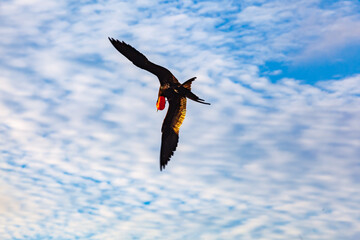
(170, 88)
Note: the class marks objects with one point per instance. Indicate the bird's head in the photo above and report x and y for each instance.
(160, 104)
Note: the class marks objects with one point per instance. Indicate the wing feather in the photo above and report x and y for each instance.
(139, 60)
(170, 129)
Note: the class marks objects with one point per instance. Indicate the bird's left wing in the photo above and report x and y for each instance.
(139, 60)
(170, 129)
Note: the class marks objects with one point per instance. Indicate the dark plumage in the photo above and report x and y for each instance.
(170, 88)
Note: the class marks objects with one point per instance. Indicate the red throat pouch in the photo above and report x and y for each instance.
(160, 104)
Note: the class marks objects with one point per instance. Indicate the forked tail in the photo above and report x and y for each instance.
(187, 87)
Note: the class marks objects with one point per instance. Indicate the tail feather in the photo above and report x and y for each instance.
(195, 98)
(187, 85)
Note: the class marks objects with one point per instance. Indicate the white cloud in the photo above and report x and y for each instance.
(279, 27)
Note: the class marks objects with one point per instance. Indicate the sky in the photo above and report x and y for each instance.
(275, 156)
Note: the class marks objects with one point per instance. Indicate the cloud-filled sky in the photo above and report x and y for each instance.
(276, 155)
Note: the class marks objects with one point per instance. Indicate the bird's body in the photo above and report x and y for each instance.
(171, 89)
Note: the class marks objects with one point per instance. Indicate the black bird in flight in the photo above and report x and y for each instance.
(170, 88)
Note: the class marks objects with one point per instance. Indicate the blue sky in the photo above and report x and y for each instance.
(276, 155)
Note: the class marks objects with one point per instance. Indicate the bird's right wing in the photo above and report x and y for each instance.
(139, 60)
(170, 129)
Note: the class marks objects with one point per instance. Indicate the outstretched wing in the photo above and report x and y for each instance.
(139, 60)
(170, 129)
